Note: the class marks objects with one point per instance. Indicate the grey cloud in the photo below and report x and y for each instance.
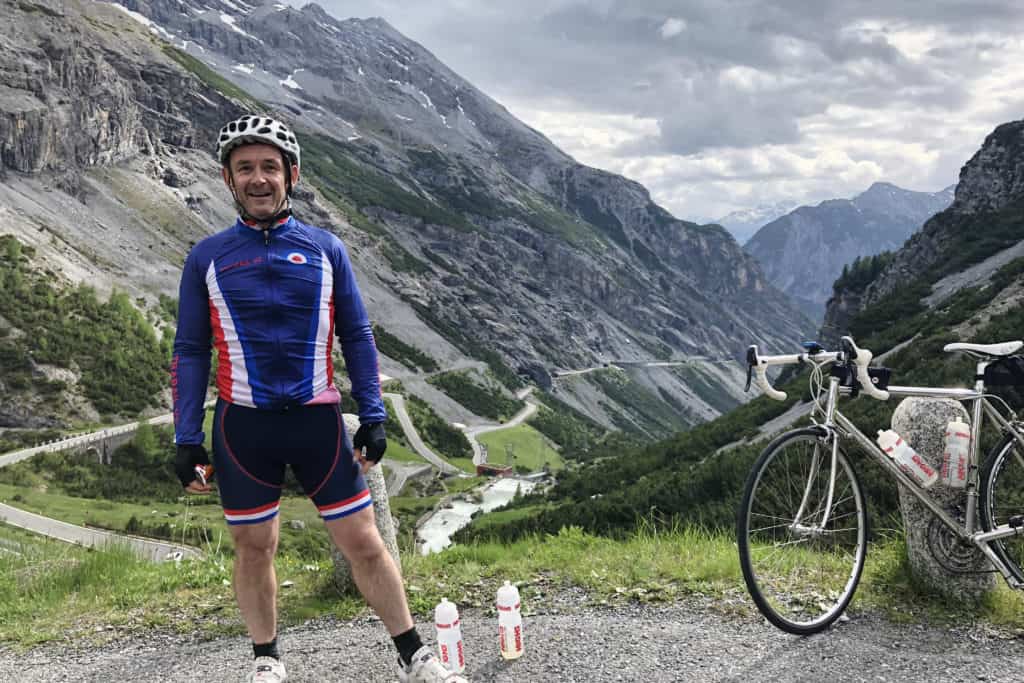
(610, 57)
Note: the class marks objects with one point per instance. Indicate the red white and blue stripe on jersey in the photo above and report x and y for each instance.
(270, 303)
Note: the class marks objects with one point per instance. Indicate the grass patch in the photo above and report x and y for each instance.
(396, 451)
(464, 464)
(521, 446)
(56, 592)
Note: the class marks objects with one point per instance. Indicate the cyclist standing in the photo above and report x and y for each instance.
(270, 293)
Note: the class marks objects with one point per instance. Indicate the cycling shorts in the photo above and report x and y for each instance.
(251, 448)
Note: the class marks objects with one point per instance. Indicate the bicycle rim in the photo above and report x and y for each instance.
(1002, 497)
(801, 573)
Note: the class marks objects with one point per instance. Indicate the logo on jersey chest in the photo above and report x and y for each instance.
(298, 258)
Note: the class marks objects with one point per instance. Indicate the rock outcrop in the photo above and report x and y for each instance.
(986, 216)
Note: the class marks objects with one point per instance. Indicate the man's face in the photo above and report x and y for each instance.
(258, 174)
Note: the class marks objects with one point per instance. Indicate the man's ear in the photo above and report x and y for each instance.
(226, 175)
(295, 175)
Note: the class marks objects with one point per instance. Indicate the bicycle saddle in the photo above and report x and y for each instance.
(1004, 349)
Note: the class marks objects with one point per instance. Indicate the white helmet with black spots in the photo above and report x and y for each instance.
(257, 129)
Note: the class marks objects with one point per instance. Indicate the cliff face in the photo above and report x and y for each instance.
(475, 231)
(961, 246)
(72, 97)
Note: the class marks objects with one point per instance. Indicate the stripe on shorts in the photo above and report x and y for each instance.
(346, 507)
(253, 515)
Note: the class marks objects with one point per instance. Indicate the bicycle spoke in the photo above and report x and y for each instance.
(801, 573)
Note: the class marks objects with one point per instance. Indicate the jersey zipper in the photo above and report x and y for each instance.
(272, 320)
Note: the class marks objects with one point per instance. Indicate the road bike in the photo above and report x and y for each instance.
(802, 522)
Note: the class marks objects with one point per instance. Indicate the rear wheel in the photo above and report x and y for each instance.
(801, 551)
(1002, 497)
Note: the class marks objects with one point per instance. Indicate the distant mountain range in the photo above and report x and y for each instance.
(804, 251)
(743, 223)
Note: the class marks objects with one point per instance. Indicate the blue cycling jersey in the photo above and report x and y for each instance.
(271, 302)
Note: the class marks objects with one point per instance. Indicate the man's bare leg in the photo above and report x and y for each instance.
(373, 569)
(255, 580)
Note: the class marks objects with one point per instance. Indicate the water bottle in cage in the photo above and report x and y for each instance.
(909, 460)
(956, 457)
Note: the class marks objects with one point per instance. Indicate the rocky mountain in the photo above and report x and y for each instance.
(804, 251)
(472, 234)
(744, 223)
(965, 260)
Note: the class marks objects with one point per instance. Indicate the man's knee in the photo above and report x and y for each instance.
(358, 539)
(255, 547)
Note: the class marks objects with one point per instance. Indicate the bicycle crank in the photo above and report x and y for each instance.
(953, 553)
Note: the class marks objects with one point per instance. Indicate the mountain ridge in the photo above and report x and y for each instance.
(472, 233)
(805, 251)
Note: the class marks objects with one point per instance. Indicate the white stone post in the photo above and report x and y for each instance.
(952, 569)
(382, 513)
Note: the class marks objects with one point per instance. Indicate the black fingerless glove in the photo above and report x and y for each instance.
(371, 438)
(189, 455)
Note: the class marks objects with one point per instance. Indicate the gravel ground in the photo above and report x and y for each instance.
(690, 641)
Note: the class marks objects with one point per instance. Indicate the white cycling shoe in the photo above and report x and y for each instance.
(427, 668)
(268, 670)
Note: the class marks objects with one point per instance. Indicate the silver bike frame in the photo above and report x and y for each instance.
(838, 425)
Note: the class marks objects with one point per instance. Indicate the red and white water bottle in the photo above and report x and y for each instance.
(510, 622)
(956, 457)
(909, 460)
(449, 636)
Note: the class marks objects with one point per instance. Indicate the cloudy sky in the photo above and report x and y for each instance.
(718, 105)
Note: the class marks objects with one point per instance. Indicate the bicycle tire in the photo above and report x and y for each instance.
(1002, 496)
(793, 598)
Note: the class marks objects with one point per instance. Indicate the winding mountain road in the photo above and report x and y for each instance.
(524, 414)
(70, 533)
(398, 402)
(153, 550)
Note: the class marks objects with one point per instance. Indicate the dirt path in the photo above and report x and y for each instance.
(691, 641)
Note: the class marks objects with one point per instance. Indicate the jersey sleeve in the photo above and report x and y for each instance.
(190, 365)
(352, 326)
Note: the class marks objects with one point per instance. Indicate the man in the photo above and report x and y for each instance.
(270, 293)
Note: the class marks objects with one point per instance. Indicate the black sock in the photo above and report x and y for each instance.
(266, 649)
(407, 644)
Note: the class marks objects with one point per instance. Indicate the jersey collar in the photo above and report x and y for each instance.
(251, 229)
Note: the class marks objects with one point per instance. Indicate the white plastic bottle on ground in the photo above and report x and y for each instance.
(956, 457)
(449, 636)
(909, 460)
(510, 622)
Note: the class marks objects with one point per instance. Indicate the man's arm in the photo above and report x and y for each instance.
(190, 366)
(352, 325)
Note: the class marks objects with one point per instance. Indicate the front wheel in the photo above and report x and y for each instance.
(1002, 497)
(802, 549)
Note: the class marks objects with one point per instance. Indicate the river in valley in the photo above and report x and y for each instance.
(434, 535)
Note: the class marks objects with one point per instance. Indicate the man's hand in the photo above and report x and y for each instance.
(190, 455)
(369, 444)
